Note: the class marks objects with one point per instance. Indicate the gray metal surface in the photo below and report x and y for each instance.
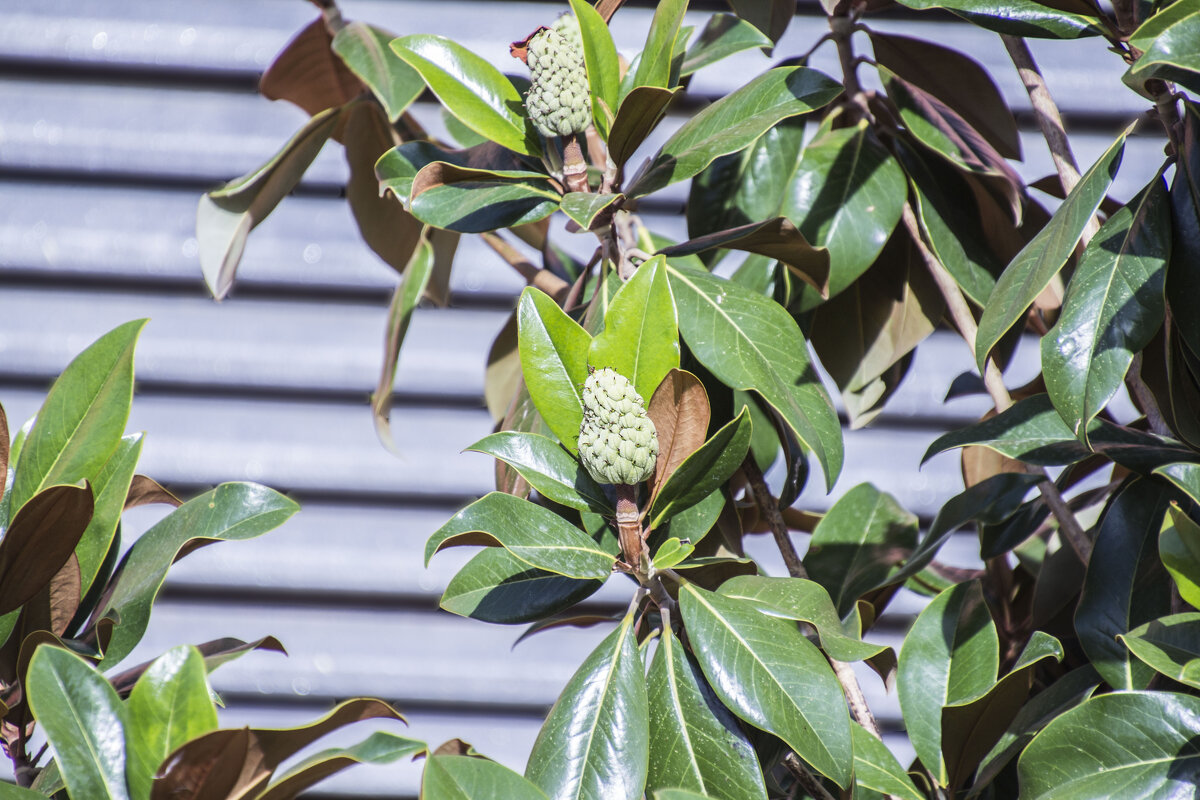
(113, 119)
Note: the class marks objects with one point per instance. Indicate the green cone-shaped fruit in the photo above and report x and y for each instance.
(558, 101)
(617, 440)
(567, 26)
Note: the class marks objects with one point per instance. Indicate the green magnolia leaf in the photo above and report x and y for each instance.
(775, 238)
(772, 677)
(1032, 269)
(110, 487)
(846, 195)
(590, 210)
(672, 551)
(704, 471)
(1024, 18)
(722, 36)
(364, 49)
(769, 16)
(696, 522)
(679, 794)
(230, 512)
(471, 89)
(548, 468)
(640, 339)
(877, 769)
(1173, 55)
(1179, 548)
(554, 359)
(639, 114)
(1114, 306)
(1170, 646)
(1126, 585)
(9, 791)
(950, 655)
(1185, 476)
(750, 342)
(1124, 744)
(170, 705)
(471, 778)
(603, 66)
(82, 419)
(734, 122)
(594, 742)
(380, 747)
(535, 535)
(805, 601)
(398, 167)
(654, 66)
(226, 215)
(1183, 274)
(496, 586)
(84, 720)
(857, 543)
(477, 205)
(695, 742)
(1031, 431)
(1162, 18)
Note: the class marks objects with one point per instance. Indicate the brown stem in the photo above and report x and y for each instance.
(606, 8)
(629, 526)
(543, 279)
(841, 29)
(960, 313)
(1167, 109)
(1049, 120)
(574, 165)
(808, 782)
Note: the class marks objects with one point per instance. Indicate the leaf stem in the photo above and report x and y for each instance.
(960, 313)
(804, 777)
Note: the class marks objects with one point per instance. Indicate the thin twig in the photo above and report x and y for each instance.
(1049, 120)
(769, 509)
(808, 782)
(534, 275)
(960, 313)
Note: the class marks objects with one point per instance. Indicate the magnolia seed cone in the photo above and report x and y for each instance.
(617, 440)
(557, 102)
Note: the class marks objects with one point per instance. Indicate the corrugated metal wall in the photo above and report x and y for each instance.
(114, 117)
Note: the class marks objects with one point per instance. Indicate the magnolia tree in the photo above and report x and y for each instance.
(640, 393)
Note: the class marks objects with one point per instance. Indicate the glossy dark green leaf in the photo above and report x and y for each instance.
(470, 778)
(654, 67)
(775, 238)
(722, 36)
(397, 168)
(84, 721)
(805, 601)
(594, 743)
(846, 195)
(640, 112)
(380, 747)
(769, 16)
(750, 342)
(364, 49)
(590, 210)
(1032, 269)
(1185, 476)
(1183, 273)
(1126, 584)
(640, 339)
(956, 79)
(950, 655)
(1173, 55)
(554, 359)
(734, 122)
(947, 210)
(110, 487)
(228, 214)
(772, 677)
(1124, 744)
(170, 705)
(1179, 549)
(695, 742)
(1169, 645)
(1114, 305)
(857, 543)
(82, 419)
(10, 791)
(1017, 17)
(534, 534)
(496, 586)
(548, 468)
(230, 512)
(471, 89)
(877, 769)
(1031, 431)
(679, 794)
(674, 550)
(603, 66)
(477, 206)
(704, 471)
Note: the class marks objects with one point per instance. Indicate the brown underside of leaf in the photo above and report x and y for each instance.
(308, 73)
(680, 412)
(43, 535)
(146, 491)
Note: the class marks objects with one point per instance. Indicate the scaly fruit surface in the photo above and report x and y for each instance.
(557, 102)
(567, 26)
(617, 440)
